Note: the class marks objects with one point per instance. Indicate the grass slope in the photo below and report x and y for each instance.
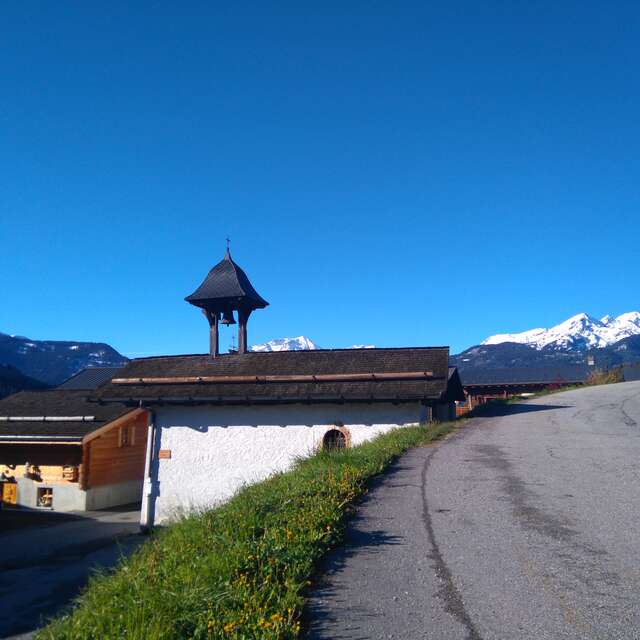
(240, 570)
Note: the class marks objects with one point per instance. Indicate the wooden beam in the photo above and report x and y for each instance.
(321, 377)
(84, 466)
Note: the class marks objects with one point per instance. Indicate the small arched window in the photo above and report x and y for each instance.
(334, 440)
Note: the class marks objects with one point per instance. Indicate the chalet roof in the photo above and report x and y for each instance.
(226, 283)
(90, 378)
(524, 375)
(323, 375)
(455, 390)
(58, 414)
(631, 372)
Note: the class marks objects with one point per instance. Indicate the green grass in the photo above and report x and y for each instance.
(240, 570)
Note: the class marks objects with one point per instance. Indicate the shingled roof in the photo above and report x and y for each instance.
(226, 283)
(524, 375)
(90, 378)
(40, 415)
(323, 375)
(631, 372)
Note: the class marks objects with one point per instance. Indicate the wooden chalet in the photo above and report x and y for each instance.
(59, 451)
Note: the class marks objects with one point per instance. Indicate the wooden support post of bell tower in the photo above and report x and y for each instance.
(214, 342)
(243, 318)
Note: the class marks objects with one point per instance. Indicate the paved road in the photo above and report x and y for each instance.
(520, 526)
(43, 565)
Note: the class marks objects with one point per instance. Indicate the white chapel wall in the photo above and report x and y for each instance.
(216, 450)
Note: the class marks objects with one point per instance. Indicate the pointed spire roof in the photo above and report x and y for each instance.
(226, 285)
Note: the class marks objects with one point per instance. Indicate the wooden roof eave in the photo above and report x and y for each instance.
(114, 424)
(258, 400)
(40, 440)
(546, 383)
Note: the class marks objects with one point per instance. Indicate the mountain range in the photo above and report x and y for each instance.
(53, 361)
(578, 333)
(609, 341)
(301, 343)
(287, 344)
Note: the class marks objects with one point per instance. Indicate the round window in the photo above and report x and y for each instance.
(334, 440)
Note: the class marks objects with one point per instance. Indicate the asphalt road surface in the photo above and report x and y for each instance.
(524, 525)
(46, 559)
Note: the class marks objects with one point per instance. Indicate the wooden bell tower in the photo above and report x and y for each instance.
(224, 292)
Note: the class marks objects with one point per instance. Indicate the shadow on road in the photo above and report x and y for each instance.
(32, 595)
(497, 409)
(23, 518)
(47, 558)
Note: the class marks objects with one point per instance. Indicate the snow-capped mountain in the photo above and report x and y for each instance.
(580, 332)
(301, 343)
(287, 344)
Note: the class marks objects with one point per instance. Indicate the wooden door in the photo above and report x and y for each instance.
(9, 493)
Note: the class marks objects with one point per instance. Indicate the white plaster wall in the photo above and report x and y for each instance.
(216, 450)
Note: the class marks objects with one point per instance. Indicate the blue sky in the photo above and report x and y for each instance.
(393, 173)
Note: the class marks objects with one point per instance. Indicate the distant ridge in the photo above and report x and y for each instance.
(12, 381)
(53, 361)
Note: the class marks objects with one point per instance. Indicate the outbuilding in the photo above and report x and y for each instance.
(219, 423)
(483, 385)
(58, 451)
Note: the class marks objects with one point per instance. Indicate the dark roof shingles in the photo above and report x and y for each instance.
(90, 378)
(321, 361)
(524, 375)
(224, 282)
(55, 403)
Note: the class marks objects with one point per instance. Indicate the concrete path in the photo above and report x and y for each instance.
(520, 526)
(44, 565)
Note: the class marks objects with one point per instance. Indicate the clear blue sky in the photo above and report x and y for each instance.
(394, 173)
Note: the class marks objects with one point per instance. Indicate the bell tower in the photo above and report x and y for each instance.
(226, 290)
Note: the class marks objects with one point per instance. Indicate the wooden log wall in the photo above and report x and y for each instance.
(49, 458)
(108, 461)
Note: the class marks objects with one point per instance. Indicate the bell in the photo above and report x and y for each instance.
(227, 318)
